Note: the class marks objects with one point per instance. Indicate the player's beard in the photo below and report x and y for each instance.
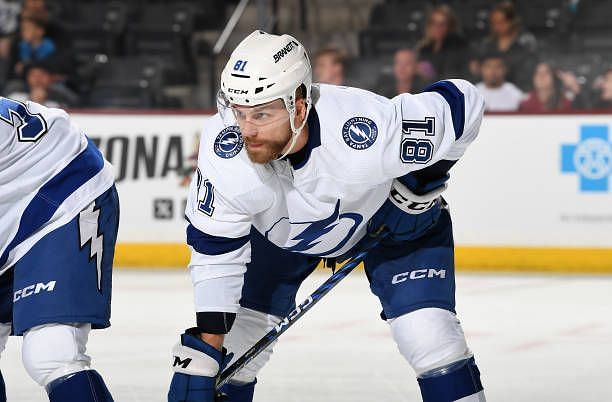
(268, 151)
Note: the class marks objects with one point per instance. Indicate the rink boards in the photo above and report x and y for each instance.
(532, 193)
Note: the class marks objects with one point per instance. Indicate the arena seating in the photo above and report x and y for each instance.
(132, 52)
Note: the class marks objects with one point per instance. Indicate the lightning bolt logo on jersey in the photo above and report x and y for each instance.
(319, 200)
(88, 233)
(311, 237)
(359, 132)
(229, 142)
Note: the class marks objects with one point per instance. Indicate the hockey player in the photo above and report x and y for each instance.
(59, 214)
(290, 172)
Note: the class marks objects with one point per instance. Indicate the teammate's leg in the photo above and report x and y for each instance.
(415, 283)
(5, 331)
(54, 356)
(6, 316)
(270, 285)
(2, 389)
(62, 290)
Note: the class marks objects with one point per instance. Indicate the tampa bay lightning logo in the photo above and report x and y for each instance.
(229, 142)
(359, 132)
(314, 233)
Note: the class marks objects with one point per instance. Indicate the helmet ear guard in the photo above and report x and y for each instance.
(290, 105)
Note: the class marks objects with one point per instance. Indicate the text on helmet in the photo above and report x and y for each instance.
(281, 53)
(237, 91)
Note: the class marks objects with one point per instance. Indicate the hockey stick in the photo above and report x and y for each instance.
(300, 310)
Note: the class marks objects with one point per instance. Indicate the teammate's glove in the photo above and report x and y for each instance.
(196, 365)
(407, 215)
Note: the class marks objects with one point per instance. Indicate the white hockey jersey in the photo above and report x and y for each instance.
(49, 172)
(358, 142)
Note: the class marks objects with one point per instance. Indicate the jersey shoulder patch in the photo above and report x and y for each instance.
(353, 126)
(351, 117)
(224, 161)
(359, 132)
(228, 143)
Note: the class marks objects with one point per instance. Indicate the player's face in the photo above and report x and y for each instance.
(265, 129)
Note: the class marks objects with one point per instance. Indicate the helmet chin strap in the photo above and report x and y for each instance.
(291, 143)
(295, 131)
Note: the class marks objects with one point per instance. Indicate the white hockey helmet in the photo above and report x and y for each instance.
(266, 67)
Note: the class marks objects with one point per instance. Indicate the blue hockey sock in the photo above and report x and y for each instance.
(83, 386)
(2, 389)
(239, 393)
(450, 383)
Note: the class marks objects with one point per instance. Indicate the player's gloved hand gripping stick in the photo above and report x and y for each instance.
(196, 364)
(372, 241)
(406, 214)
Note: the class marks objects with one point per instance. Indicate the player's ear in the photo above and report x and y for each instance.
(300, 109)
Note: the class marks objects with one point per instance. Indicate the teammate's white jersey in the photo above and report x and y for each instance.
(49, 172)
(358, 142)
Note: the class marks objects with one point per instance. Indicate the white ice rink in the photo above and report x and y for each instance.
(536, 338)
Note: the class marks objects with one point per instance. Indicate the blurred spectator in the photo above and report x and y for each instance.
(442, 47)
(500, 95)
(9, 20)
(35, 9)
(43, 87)
(604, 85)
(550, 91)
(55, 30)
(3, 71)
(405, 78)
(41, 39)
(34, 44)
(517, 46)
(329, 66)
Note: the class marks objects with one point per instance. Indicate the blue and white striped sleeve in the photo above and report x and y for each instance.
(436, 124)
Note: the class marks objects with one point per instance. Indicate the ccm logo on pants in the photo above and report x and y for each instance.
(33, 289)
(419, 274)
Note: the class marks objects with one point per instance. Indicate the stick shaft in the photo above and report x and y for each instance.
(294, 315)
